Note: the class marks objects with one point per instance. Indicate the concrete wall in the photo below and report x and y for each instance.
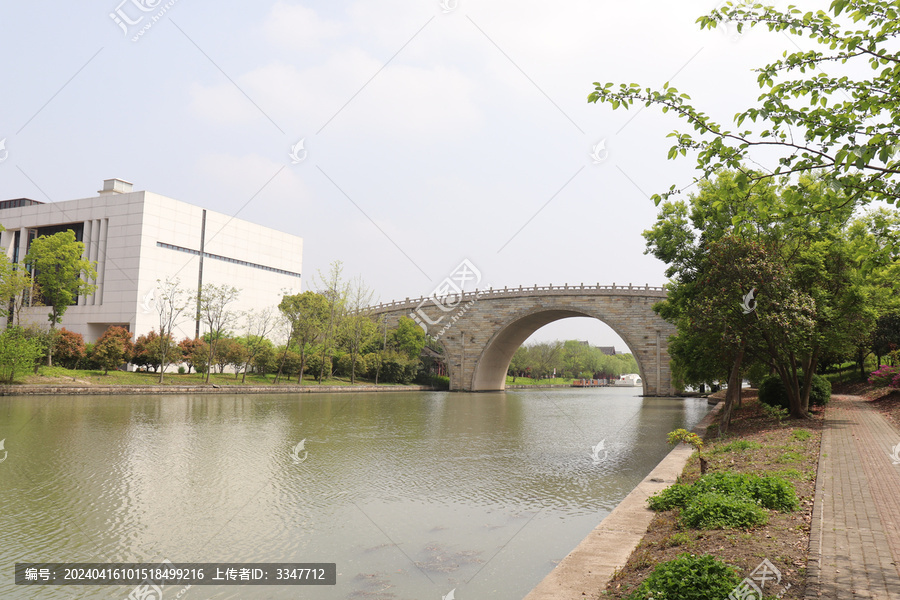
(122, 233)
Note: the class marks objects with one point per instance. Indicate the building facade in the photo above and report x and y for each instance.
(137, 238)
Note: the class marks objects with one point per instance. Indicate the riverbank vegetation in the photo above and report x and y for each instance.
(754, 503)
(568, 360)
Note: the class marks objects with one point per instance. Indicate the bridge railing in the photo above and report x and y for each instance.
(506, 291)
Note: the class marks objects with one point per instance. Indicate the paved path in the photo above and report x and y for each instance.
(855, 539)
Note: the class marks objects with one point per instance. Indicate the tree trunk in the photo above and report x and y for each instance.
(302, 364)
(162, 366)
(283, 359)
(734, 389)
(52, 342)
(862, 365)
(809, 369)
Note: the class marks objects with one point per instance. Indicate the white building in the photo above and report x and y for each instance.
(137, 238)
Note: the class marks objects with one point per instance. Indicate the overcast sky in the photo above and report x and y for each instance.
(431, 133)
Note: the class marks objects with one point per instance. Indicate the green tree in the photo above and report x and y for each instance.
(307, 317)
(212, 307)
(258, 325)
(805, 120)
(407, 338)
(113, 348)
(265, 360)
(813, 298)
(18, 353)
(15, 282)
(546, 358)
(60, 273)
(231, 352)
(518, 363)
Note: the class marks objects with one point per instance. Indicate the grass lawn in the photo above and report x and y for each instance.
(79, 377)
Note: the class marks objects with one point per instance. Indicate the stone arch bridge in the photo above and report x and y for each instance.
(480, 330)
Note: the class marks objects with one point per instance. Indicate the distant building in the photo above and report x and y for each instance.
(607, 350)
(137, 238)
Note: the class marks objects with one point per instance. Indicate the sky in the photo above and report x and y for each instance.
(399, 137)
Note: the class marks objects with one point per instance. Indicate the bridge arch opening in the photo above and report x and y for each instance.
(493, 363)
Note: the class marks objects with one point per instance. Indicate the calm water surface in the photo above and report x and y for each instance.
(411, 494)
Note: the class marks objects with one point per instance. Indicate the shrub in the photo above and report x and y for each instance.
(182, 370)
(113, 348)
(314, 363)
(440, 382)
(775, 412)
(398, 368)
(769, 492)
(344, 365)
(688, 577)
(677, 495)
(885, 376)
(773, 492)
(714, 510)
(773, 392)
(68, 348)
(194, 353)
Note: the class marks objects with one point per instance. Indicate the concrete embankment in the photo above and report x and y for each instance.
(587, 569)
(122, 390)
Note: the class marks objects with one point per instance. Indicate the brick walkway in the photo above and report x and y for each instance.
(854, 545)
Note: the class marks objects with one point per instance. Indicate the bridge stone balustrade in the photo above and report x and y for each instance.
(480, 330)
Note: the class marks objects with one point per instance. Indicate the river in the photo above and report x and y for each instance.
(413, 495)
